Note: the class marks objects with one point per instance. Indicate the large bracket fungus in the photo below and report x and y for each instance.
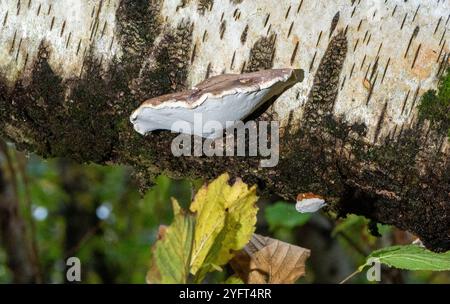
(224, 98)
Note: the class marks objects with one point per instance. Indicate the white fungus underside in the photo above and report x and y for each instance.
(228, 108)
(310, 205)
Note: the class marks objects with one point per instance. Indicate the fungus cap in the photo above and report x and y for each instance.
(223, 98)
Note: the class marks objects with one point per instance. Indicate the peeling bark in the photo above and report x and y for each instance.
(72, 74)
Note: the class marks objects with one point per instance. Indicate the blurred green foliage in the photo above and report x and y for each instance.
(115, 225)
(283, 215)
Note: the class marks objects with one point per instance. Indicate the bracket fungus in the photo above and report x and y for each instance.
(220, 99)
(309, 203)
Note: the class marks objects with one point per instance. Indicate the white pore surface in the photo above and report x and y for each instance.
(310, 205)
(225, 109)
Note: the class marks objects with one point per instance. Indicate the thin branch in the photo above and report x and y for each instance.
(350, 277)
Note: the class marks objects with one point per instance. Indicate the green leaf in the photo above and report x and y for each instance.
(284, 215)
(172, 252)
(411, 257)
(349, 222)
(234, 279)
(226, 219)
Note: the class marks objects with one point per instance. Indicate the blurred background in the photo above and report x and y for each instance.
(54, 209)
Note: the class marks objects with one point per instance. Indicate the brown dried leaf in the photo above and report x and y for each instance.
(267, 260)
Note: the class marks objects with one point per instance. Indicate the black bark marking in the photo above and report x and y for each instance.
(312, 61)
(266, 20)
(394, 10)
(223, 28)
(415, 14)
(334, 23)
(442, 37)
(343, 82)
(244, 35)
(63, 26)
(172, 55)
(385, 69)
(78, 47)
(326, 81)
(194, 53)
(351, 71)
(371, 89)
(403, 22)
(299, 6)
(416, 55)
(359, 25)
(111, 44)
(362, 63)
(413, 36)
(379, 48)
(68, 39)
(204, 6)
(404, 102)
(318, 38)
(287, 12)
(374, 68)
(232, 60)
(5, 19)
(380, 122)
(365, 36)
(437, 26)
(244, 64)
(18, 49)
(290, 29)
(262, 54)
(294, 53)
(368, 40)
(440, 52)
(52, 23)
(208, 71)
(416, 95)
(105, 24)
(11, 49)
(356, 45)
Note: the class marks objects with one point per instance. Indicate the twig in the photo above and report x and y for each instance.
(350, 276)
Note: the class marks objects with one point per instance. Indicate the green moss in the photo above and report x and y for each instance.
(435, 106)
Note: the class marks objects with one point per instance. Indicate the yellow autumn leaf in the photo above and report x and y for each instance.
(226, 218)
(172, 251)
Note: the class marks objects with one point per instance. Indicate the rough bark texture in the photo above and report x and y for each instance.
(72, 74)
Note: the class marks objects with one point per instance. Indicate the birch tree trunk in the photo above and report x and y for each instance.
(73, 71)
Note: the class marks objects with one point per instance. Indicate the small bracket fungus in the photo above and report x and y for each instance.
(220, 99)
(309, 203)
